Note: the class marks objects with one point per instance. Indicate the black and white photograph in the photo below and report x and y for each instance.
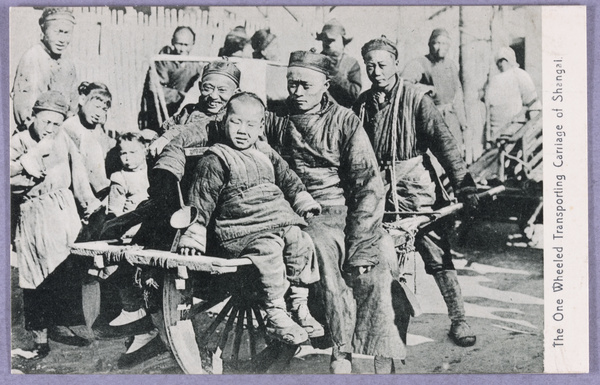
(298, 189)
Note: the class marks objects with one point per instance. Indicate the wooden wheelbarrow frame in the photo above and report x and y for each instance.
(179, 307)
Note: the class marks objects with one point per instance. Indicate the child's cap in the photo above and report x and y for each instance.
(148, 135)
(52, 101)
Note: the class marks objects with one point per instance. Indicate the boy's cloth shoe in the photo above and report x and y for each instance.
(65, 335)
(149, 350)
(280, 326)
(38, 352)
(127, 317)
(461, 334)
(140, 340)
(297, 299)
(301, 315)
(106, 332)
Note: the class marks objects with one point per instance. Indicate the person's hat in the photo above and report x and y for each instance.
(52, 101)
(438, 32)
(56, 13)
(332, 28)
(507, 54)
(238, 33)
(224, 68)
(312, 60)
(379, 44)
(261, 39)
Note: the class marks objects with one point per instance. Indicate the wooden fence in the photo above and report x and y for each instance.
(113, 44)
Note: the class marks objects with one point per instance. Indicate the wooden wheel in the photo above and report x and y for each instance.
(216, 327)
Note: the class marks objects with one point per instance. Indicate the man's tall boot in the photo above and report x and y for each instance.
(460, 332)
(297, 299)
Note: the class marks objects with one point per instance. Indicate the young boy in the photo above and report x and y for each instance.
(47, 171)
(129, 186)
(241, 185)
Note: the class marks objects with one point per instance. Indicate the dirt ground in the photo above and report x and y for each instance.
(503, 293)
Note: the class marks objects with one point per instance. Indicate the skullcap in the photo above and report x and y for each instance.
(312, 60)
(333, 27)
(224, 68)
(52, 101)
(238, 32)
(380, 44)
(261, 39)
(56, 13)
(438, 32)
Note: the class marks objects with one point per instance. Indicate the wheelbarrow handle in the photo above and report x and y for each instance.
(445, 211)
(422, 219)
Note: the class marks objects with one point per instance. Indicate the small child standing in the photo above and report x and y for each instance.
(128, 188)
(243, 187)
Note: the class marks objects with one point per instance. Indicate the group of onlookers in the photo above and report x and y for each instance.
(301, 191)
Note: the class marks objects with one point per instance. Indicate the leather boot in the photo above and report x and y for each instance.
(298, 307)
(460, 332)
(280, 325)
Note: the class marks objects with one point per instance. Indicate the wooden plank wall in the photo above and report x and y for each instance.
(113, 45)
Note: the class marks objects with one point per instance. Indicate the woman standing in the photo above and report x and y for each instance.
(86, 129)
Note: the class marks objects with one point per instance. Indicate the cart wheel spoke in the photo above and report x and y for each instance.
(204, 306)
(203, 340)
(225, 335)
(259, 319)
(239, 331)
(251, 332)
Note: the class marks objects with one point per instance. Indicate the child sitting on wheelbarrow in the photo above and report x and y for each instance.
(243, 187)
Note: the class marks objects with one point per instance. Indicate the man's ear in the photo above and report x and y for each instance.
(327, 83)
(81, 99)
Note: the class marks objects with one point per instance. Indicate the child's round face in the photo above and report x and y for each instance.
(46, 123)
(132, 154)
(94, 110)
(244, 123)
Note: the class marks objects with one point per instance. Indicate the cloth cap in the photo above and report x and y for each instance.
(312, 60)
(224, 68)
(261, 39)
(332, 28)
(380, 44)
(238, 33)
(438, 32)
(52, 101)
(507, 54)
(56, 13)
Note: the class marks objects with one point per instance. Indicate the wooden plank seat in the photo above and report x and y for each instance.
(113, 253)
(212, 325)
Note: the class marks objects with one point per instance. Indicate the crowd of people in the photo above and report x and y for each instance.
(302, 191)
